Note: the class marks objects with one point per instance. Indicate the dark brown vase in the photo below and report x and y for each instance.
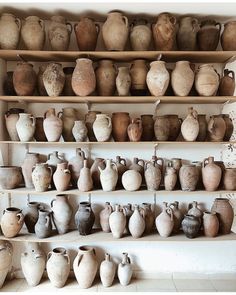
(8, 86)
(138, 73)
(227, 84)
(67, 90)
(174, 125)
(120, 123)
(39, 133)
(202, 127)
(229, 127)
(229, 179)
(148, 127)
(208, 36)
(84, 218)
(222, 167)
(228, 37)
(191, 226)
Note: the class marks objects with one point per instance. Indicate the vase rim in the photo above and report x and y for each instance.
(13, 209)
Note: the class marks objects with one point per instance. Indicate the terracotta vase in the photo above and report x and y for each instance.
(138, 73)
(194, 210)
(39, 133)
(152, 174)
(85, 181)
(117, 222)
(135, 130)
(228, 37)
(191, 226)
(11, 118)
(24, 79)
(229, 179)
(25, 127)
(187, 33)
(170, 179)
(165, 221)
(79, 131)
(208, 36)
(90, 117)
(83, 79)
(109, 176)
(123, 81)
(43, 227)
(33, 33)
(31, 215)
(121, 168)
(190, 126)
(158, 78)
(104, 217)
(6, 251)
(106, 78)
(216, 128)
(52, 125)
(149, 217)
(31, 159)
(202, 127)
(59, 32)
(84, 218)
(164, 32)
(125, 271)
(54, 79)
(211, 174)
(115, 31)
(40, 85)
(137, 222)
(174, 126)
(140, 35)
(8, 86)
(120, 123)
(210, 224)
(206, 80)
(41, 176)
(162, 128)
(10, 27)
(95, 173)
(222, 167)
(53, 159)
(227, 84)
(177, 216)
(102, 127)
(131, 180)
(188, 176)
(229, 127)
(61, 177)
(148, 127)
(10, 177)
(128, 211)
(107, 271)
(86, 32)
(11, 222)
(67, 90)
(76, 164)
(68, 117)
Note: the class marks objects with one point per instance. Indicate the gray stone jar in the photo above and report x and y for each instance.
(43, 227)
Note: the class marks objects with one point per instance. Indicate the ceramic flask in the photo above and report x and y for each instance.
(125, 271)
(117, 222)
(107, 271)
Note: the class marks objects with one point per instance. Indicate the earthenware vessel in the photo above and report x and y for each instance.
(11, 222)
(102, 127)
(194, 210)
(137, 222)
(211, 174)
(202, 127)
(10, 177)
(117, 222)
(104, 217)
(52, 125)
(170, 179)
(228, 37)
(53, 159)
(177, 216)
(152, 174)
(90, 117)
(209, 34)
(207, 80)
(174, 126)
(10, 27)
(190, 125)
(79, 131)
(8, 86)
(54, 79)
(68, 117)
(125, 271)
(131, 180)
(123, 81)
(187, 33)
(229, 127)
(135, 130)
(109, 176)
(41, 177)
(128, 211)
(25, 127)
(138, 73)
(40, 85)
(107, 271)
(121, 168)
(39, 133)
(229, 179)
(165, 222)
(120, 123)
(11, 118)
(216, 128)
(188, 176)
(85, 181)
(27, 166)
(106, 78)
(84, 218)
(76, 164)
(149, 217)
(210, 224)
(140, 35)
(6, 251)
(31, 215)
(95, 173)
(43, 227)
(162, 128)
(191, 226)
(148, 127)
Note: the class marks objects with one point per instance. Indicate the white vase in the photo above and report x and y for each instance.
(6, 251)
(117, 222)
(131, 180)
(109, 176)
(125, 270)
(137, 222)
(25, 127)
(107, 271)
(102, 127)
(79, 131)
(190, 126)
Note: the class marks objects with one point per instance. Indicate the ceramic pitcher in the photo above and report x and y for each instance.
(109, 176)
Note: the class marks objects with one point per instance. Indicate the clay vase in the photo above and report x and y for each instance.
(170, 179)
(54, 79)
(33, 33)
(191, 226)
(8, 86)
(11, 118)
(33, 263)
(43, 227)
(59, 32)
(135, 130)
(149, 218)
(206, 80)
(85, 266)
(10, 177)
(68, 117)
(229, 179)
(202, 127)
(225, 214)
(9, 31)
(131, 180)
(109, 176)
(140, 35)
(165, 221)
(76, 164)
(6, 251)
(40, 85)
(188, 176)
(127, 209)
(95, 173)
(210, 224)
(11, 222)
(115, 31)
(164, 32)
(121, 168)
(228, 37)
(208, 36)
(53, 159)
(79, 131)
(86, 32)
(187, 33)
(211, 174)
(137, 222)
(41, 177)
(227, 84)
(24, 79)
(182, 78)
(125, 271)
(85, 181)
(152, 175)
(31, 215)
(83, 79)
(27, 166)
(39, 133)
(123, 81)
(106, 78)
(177, 216)
(84, 218)
(195, 211)
(174, 126)
(148, 127)
(67, 90)
(137, 167)
(61, 213)
(90, 117)
(190, 125)
(104, 217)
(216, 128)
(138, 73)
(158, 78)
(162, 128)
(25, 127)
(198, 164)
(61, 177)
(107, 271)
(52, 125)
(117, 222)
(229, 127)
(222, 167)
(102, 127)
(120, 123)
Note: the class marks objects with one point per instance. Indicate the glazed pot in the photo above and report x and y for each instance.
(31, 215)
(210, 224)
(177, 216)
(79, 131)
(39, 133)
(216, 128)
(188, 176)
(148, 127)
(11, 118)
(10, 27)
(187, 33)
(117, 222)
(68, 117)
(227, 84)
(61, 177)
(11, 222)
(31, 159)
(85, 181)
(52, 125)
(190, 125)
(121, 168)
(191, 226)
(43, 227)
(174, 126)
(165, 222)
(10, 177)
(131, 180)
(8, 86)
(67, 90)
(120, 123)
(109, 176)
(6, 251)
(106, 78)
(25, 127)
(138, 73)
(229, 179)
(208, 36)
(84, 218)
(107, 271)
(76, 164)
(152, 174)
(140, 35)
(202, 127)
(211, 174)
(228, 37)
(137, 222)
(123, 81)
(54, 79)
(41, 176)
(95, 173)
(170, 179)
(40, 85)
(207, 80)
(135, 130)
(162, 128)
(90, 117)
(104, 217)
(125, 271)
(149, 217)
(102, 127)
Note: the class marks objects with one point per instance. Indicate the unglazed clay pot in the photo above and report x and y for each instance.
(85, 181)
(69, 116)
(202, 127)
(86, 32)
(109, 176)
(31, 215)
(207, 80)
(117, 222)
(54, 79)
(115, 31)
(216, 128)
(195, 210)
(61, 177)
(53, 159)
(83, 79)
(135, 130)
(128, 211)
(174, 126)
(120, 123)
(228, 37)
(11, 118)
(136, 166)
(121, 168)
(165, 222)
(43, 227)
(10, 177)
(84, 218)
(41, 176)
(107, 271)
(9, 31)
(25, 127)
(140, 35)
(40, 85)
(162, 128)
(39, 133)
(67, 90)
(11, 222)
(123, 81)
(106, 78)
(188, 176)
(125, 271)
(227, 84)
(104, 217)
(149, 217)
(229, 179)
(191, 226)
(148, 127)
(52, 125)
(6, 251)
(137, 222)
(170, 179)
(90, 117)
(210, 224)
(27, 166)
(152, 174)
(208, 36)
(177, 216)
(187, 33)
(79, 131)
(102, 127)
(76, 164)
(190, 126)
(95, 173)
(8, 86)
(211, 174)
(131, 180)
(138, 73)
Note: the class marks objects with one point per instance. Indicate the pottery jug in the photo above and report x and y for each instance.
(121, 168)
(131, 180)
(6, 251)
(10, 177)
(188, 176)
(29, 162)
(149, 217)
(162, 128)
(104, 217)
(109, 176)
(152, 174)
(229, 179)
(76, 164)
(95, 173)
(79, 131)
(54, 79)
(107, 271)
(85, 181)
(138, 167)
(191, 226)
(59, 32)
(90, 117)
(222, 167)
(117, 222)
(58, 267)
(33, 263)
(187, 33)
(135, 130)
(61, 213)
(123, 81)
(165, 221)
(85, 266)
(229, 127)
(174, 126)
(41, 177)
(228, 37)
(31, 215)
(43, 227)
(115, 31)
(120, 123)
(128, 211)
(138, 73)
(137, 222)
(208, 36)
(227, 83)
(24, 79)
(164, 32)
(198, 164)
(140, 35)
(195, 211)
(170, 179)
(211, 174)
(84, 218)
(61, 177)
(40, 85)
(102, 127)
(10, 27)
(202, 127)
(83, 79)
(11, 222)
(216, 128)
(33, 33)
(25, 127)
(39, 133)
(210, 224)
(67, 90)
(68, 117)
(190, 125)
(206, 80)
(11, 118)
(8, 87)
(125, 271)
(86, 32)
(177, 216)
(52, 125)
(53, 159)
(106, 78)
(148, 127)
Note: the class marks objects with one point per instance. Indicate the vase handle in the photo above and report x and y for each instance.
(109, 121)
(18, 22)
(69, 27)
(123, 160)
(53, 200)
(21, 217)
(41, 23)
(67, 257)
(97, 28)
(218, 24)
(125, 21)
(142, 161)
(33, 120)
(49, 255)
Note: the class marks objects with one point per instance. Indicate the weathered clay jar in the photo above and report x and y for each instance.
(190, 125)
(187, 33)
(174, 126)
(39, 133)
(11, 222)
(137, 222)
(53, 159)
(206, 80)
(6, 251)
(115, 31)
(59, 32)
(43, 227)
(128, 211)
(31, 215)
(202, 127)
(102, 127)
(107, 271)
(24, 79)
(69, 116)
(227, 84)
(182, 78)
(165, 221)
(25, 127)
(162, 128)
(210, 224)
(140, 35)
(158, 78)
(152, 174)
(149, 217)
(229, 179)
(33, 33)
(211, 174)
(136, 166)
(222, 167)
(125, 271)
(58, 267)
(164, 32)
(106, 78)
(61, 177)
(83, 79)
(95, 173)
(123, 81)
(8, 86)
(170, 179)
(131, 180)
(208, 36)
(10, 177)
(148, 127)
(52, 125)
(104, 217)
(84, 218)
(79, 131)
(33, 263)
(229, 127)
(86, 32)
(67, 90)
(27, 166)
(135, 130)
(61, 213)
(76, 164)
(41, 176)
(40, 85)
(225, 214)
(9, 31)
(11, 118)
(54, 79)
(85, 266)
(120, 123)
(85, 181)
(188, 176)
(228, 37)
(194, 210)
(191, 226)
(109, 176)
(177, 216)
(117, 222)
(121, 168)
(138, 73)
(216, 128)
(198, 164)
(90, 117)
